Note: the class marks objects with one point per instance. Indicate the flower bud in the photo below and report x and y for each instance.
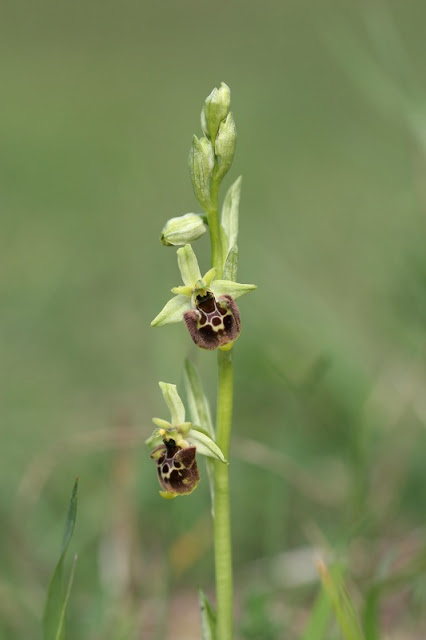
(225, 145)
(183, 230)
(201, 163)
(215, 110)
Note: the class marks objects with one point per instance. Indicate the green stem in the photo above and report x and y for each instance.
(222, 520)
(222, 524)
(214, 228)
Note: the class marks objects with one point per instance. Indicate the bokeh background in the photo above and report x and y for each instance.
(99, 103)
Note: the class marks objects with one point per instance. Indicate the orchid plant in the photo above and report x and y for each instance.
(207, 306)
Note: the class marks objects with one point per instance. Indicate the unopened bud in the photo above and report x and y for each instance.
(225, 145)
(182, 230)
(215, 110)
(201, 163)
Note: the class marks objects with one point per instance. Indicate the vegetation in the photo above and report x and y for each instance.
(327, 468)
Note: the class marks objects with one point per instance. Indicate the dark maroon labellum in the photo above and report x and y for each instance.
(213, 323)
(176, 467)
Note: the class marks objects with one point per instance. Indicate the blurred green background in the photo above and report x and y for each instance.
(99, 103)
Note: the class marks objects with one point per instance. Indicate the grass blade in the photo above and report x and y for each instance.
(60, 633)
(344, 610)
(319, 618)
(58, 594)
(371, 615)
(208, 617)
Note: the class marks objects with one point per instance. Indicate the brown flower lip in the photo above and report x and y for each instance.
(176, 467)
(214, 322)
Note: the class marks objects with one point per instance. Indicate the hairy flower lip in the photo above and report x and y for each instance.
(174, 446)
(177, 468)
(215, 326)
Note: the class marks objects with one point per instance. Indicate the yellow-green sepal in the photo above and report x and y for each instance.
(233, 289)
(188, 265)
(174, 402)
(173, 311)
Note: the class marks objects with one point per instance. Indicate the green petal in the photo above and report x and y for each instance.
(173, 311)
(173, 401)
(188, 265)
(162, 424)
(183, 291)
(205, 445)
(234, 289)
(209, 276)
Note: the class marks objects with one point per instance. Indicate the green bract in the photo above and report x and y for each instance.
(224, 147)
(201, 165)
(177, 306)
(229, 218)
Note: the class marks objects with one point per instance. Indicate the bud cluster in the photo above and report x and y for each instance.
(211, 156)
